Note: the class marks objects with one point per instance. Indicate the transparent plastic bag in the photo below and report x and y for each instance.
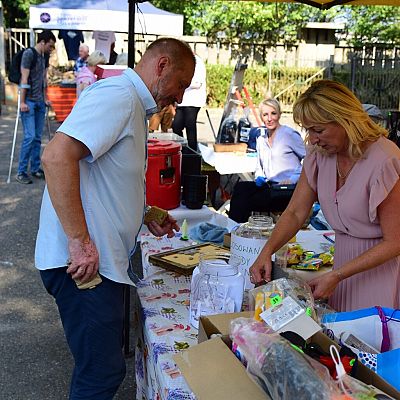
(283, 372)
(272, 293)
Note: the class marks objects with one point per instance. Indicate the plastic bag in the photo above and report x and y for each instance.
(271, 294)
(283, 372)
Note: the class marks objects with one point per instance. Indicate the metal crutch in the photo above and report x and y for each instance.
(15, 135)
(48, 121)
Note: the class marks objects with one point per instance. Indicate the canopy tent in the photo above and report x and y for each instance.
(103, 15)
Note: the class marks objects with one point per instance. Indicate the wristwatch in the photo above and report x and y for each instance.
(147, 208)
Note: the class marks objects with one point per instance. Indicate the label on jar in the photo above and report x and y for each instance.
(248, 250)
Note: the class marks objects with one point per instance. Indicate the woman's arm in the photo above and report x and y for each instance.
(389, 217)
(287, 226)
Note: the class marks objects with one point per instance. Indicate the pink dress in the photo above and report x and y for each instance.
(352, 213)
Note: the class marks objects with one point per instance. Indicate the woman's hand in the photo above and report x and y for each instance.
(168, 227)
(260, 271)
(323, 286)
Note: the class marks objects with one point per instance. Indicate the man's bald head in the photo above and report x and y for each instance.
(83, 51)
(177, 49)
(167, 68)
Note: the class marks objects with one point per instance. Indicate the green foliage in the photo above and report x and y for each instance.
(244, 21)
(256, 80)
(370, 25)
(16, 12)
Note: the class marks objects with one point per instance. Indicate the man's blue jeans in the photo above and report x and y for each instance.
(33, 122)
(93, 325)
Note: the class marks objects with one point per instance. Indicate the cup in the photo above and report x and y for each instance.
(194, 191)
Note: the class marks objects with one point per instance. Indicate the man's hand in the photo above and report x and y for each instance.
(48, 103)
(168, 227)
(83, 259)
(24, 107)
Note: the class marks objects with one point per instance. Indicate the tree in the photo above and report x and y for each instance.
(373, 25)
(244, 21)
(16, 12)
(279, 22)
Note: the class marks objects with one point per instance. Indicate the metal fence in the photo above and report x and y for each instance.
(16, 39)
(373, 80)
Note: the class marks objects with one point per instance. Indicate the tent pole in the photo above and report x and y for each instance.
(131, 34)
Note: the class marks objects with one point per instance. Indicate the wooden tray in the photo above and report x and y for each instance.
(183, 260)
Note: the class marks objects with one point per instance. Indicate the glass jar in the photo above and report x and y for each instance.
(247, 241)
(216, 286)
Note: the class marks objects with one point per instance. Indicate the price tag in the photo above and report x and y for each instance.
(281, 314)
(275, 300)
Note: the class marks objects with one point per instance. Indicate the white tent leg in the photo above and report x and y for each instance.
(15, 135)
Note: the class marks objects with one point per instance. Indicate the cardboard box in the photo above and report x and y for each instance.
(213, 372)
(230, 147)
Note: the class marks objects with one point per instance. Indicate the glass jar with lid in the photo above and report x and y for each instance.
(247, 241)
(216, 287)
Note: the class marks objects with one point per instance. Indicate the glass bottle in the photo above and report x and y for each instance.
(247, 241)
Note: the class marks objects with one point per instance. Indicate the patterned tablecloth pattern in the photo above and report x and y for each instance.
(164, 301)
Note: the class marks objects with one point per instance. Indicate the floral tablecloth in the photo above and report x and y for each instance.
(164, 302)
(164, 316)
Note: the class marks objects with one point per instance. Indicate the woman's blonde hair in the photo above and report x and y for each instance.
(274, 103)
(327, 101)
(96, 58)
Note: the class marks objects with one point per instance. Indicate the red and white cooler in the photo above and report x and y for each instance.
(163, 176)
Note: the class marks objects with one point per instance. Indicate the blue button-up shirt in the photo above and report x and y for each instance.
(110, 119)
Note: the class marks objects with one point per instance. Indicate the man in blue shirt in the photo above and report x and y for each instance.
(93, 206)
(81, 61)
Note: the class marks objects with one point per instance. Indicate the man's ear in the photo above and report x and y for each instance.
(162, 63)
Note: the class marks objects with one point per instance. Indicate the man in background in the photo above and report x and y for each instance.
(81, 61)
(33, 105)
(194, 98)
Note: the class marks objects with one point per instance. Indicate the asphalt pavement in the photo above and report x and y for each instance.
(35, 362)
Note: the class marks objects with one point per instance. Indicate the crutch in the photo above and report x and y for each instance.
(48, 121)
(15, 135)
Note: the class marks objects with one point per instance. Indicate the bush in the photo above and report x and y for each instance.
(256, 80)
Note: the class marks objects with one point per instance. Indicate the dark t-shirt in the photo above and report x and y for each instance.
(36, 76)
(72, 40)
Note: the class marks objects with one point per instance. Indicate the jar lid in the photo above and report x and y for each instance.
(156, 147)
(219, 263)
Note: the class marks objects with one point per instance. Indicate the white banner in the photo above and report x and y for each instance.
(104, 20)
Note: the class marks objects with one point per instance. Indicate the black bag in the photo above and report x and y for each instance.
(281, 193)
(14, 75)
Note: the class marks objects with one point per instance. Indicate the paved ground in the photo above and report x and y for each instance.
(35, 363)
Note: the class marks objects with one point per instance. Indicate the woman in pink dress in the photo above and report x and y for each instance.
(86, 76)
(353, 170)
